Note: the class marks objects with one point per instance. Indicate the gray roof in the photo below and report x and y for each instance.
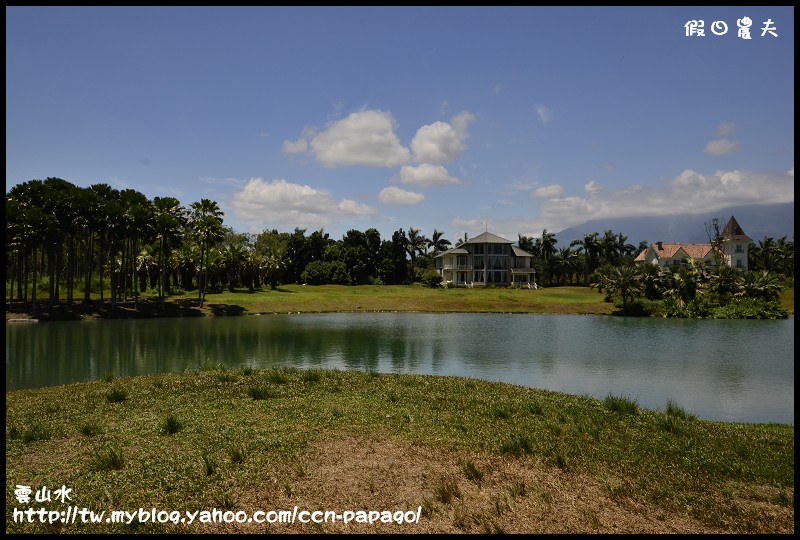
(488, 238)
(518, 252)
(453, 251)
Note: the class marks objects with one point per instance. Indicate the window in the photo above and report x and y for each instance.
(739, 263)
(739, 248)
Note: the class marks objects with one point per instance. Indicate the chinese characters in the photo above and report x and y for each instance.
(696, 28)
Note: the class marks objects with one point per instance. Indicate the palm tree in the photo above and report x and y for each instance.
(590, 246)
(625, 282)
(683, 287)
(170, 218)
(760, 284)
(139, 213)
(723, 282)
(566, 264)
(415, 245)
(610, 252)
(655, 280)
(274, 264)
(438, 243)
(206, 224)
(547, 250)
(785, 254)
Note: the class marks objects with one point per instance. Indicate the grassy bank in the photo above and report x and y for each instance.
(476, 456)
(331, 298)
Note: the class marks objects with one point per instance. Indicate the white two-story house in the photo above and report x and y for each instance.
(487, 259)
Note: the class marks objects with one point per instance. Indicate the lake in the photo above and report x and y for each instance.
(733, 371)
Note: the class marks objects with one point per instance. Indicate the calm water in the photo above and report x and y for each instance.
(738, 371)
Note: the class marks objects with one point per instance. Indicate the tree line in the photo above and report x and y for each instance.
(73, 242)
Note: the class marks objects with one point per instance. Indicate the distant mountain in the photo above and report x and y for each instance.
(757, 221)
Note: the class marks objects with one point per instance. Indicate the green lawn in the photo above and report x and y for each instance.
(332, 298)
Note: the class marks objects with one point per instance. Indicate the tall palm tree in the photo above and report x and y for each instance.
(415, 244)
(785, 254)
(610, 252)
(170, 218)
(139, 213)
(590, 246)
(438, 242)
(547, 251)
(206, 224)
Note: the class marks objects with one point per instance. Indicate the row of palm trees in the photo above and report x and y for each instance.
(82, 238)
(74, 234)
(74, 240)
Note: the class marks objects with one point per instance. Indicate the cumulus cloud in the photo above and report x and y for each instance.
(441, 142)
(547, 192)
(591, 187)
(397, 196)
(292, 205)
(361, 138)
(721, 146)
(295, 147)
(427, 175)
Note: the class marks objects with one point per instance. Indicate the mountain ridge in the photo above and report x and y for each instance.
(757, 222)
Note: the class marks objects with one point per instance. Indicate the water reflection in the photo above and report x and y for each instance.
(719, 370)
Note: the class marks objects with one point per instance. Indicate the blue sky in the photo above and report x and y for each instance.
(458, 119)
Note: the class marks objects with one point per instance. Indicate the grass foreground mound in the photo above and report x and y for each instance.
(467, 455)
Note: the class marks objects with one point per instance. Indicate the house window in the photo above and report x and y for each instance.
(739, 263)
(739, 248)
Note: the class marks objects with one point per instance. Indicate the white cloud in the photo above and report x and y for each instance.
(291, 205)
(726, 128)
(300, 145)
(547, 192)
(361, 138)
(591, 187)
(690, 192)
(295, 147)
(441, 142)
(427, 175)
(397, 196)
(721, 146)
(545, 114)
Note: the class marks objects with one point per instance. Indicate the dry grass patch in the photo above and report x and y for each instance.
(516, 495)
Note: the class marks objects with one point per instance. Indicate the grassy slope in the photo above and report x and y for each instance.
(236, 432)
